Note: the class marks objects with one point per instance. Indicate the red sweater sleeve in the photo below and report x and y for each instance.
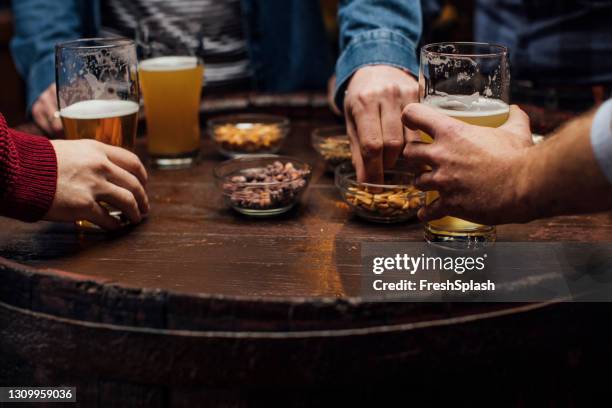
(28, 174)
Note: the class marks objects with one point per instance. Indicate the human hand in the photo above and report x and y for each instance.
(44, 112)
(331, 93)
(479, 172)
(90, 172)
(374, 100)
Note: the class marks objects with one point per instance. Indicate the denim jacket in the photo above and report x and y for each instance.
(287, 41)
(374, 32)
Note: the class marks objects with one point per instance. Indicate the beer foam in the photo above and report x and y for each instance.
(99, 109)
(169, 63)
(467, 105)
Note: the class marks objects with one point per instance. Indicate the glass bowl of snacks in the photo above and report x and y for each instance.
(396, 200)
(236, 135)
(262, 185)
(332, 144)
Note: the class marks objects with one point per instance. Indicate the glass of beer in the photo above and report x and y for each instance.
(469, 82)
(171, 78)
(97, 93)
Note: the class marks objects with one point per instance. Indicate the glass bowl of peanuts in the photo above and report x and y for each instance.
(332, 144)
(243, 134)
(397, 200)
(262, 185)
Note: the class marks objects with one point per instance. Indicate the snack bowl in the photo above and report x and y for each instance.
(332, 144)
(262, 185)
(397, 200)
(243, 134)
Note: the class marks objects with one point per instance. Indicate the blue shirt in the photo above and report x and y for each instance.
(551, 42)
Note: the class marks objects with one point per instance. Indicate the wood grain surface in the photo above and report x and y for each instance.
(201, 306)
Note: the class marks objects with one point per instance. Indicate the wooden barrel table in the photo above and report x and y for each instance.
(200, 306)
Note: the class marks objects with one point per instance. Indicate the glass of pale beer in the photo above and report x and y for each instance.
(469, 82)
(97, 94)
(171, 79)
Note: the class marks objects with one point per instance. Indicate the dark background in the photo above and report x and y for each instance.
(452, 23)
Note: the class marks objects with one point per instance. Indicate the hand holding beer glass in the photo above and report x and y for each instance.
(171, 75)
(469, 82)
(97, 91)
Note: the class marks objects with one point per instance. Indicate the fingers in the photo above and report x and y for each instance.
(54, 118)
(371, 143)
(100, 217)
(44, 112)
(518, 124)
(418, 154)
(121, 199)
(417, 116)
(426, 181)
(392, 133)
(331, 92)
(126, 160)
(355, 151)
(433, 211)
(518, 121)
(40, 114)
(128, 181)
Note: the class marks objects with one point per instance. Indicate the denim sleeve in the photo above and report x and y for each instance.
(601, 138)
(376, 32)
(39, 25)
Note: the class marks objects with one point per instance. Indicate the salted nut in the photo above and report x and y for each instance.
(248, 137)
(391, 203)
(274, 186)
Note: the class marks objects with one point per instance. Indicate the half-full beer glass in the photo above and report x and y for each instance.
(469, 82)
(171, 77)
(97, 93)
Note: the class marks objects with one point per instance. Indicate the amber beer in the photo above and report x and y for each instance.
(113, 122)
(479, 111)
(171, 88)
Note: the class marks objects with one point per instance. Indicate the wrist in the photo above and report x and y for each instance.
(526, 191)
(32, 177)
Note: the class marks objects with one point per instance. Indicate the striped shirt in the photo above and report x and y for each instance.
(225, 46)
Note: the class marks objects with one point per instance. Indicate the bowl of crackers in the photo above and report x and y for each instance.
(245, 134)
(332, 144)
(394, 200)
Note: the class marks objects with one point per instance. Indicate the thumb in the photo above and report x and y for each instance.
(433, 211)
(518, 123)
(417, 116)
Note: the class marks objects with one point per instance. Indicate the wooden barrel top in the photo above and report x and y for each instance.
(198, 289)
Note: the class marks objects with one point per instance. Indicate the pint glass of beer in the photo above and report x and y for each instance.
(97, 93)
(171, 78)
(469, 82)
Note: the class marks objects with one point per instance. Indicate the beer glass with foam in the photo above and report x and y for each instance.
(469, 82)
(97, 93)
(171, 78)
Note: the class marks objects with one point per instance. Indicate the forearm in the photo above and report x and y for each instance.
(563, 176)
(28, 174)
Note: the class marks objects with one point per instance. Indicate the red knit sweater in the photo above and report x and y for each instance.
(28, 174)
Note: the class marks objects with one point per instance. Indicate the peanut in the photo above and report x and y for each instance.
(396, 203)
(248, 137)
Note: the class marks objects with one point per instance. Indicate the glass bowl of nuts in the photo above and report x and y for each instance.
(262, 185)
(396, 200)
(332, 144)
(237, 135)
